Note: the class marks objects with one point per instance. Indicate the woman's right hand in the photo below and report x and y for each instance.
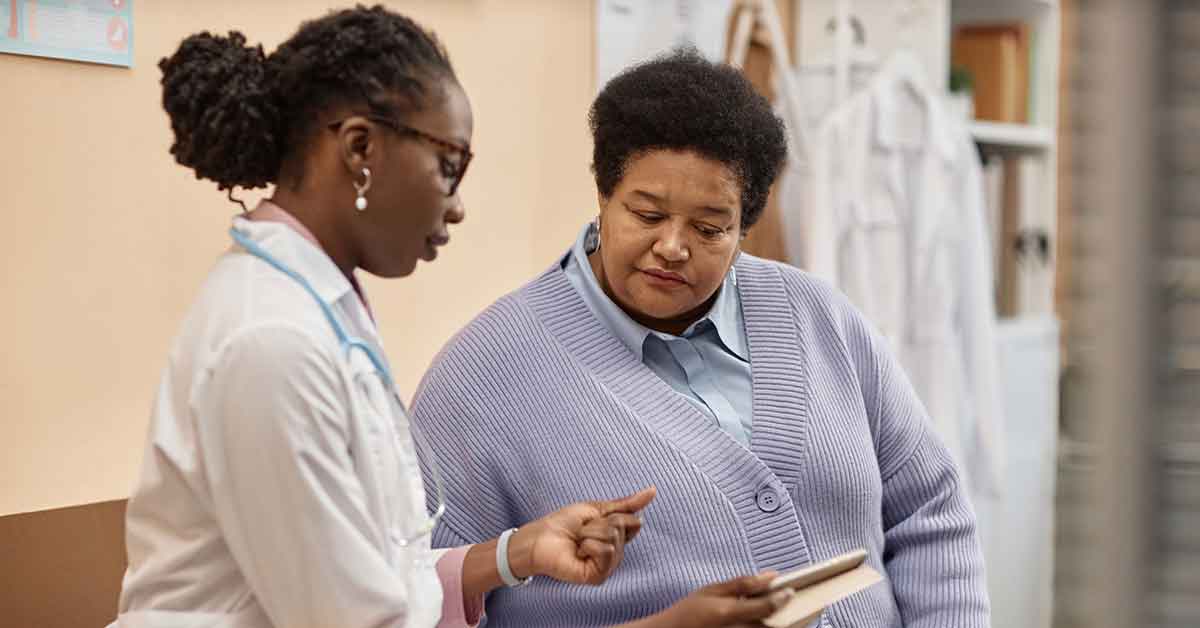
(582, 543)
(736, 603)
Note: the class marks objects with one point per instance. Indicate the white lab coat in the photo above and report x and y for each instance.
(889, 207)
(279, 476)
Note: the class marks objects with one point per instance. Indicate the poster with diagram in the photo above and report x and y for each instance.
(94, 31)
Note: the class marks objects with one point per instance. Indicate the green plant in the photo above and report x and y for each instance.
(961, 80)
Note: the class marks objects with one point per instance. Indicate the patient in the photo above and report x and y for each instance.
(773, 420)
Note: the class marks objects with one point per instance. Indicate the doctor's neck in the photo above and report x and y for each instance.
(320, 217)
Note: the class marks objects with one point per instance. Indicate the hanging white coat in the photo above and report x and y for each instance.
(890, 208)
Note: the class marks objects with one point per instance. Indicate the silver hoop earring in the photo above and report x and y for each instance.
(591, 242)
(360, 203)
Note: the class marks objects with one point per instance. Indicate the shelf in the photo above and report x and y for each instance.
(972, 11)
(1011, 6)
(1020, 4)
(1020, 137)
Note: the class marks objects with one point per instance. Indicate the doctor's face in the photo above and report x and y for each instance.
(414, 194)
(669, 234)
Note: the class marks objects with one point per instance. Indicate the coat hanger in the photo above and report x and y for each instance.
(847, 56)
(904, 70)
(860, 55)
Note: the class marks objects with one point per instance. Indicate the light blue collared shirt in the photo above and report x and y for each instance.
(709, 364)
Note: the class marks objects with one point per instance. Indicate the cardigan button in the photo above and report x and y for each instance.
(767, 499)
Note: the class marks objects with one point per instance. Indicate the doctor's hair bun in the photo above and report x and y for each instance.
(218, 93)
(243, 118)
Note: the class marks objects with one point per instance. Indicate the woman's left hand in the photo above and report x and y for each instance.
(582, 543)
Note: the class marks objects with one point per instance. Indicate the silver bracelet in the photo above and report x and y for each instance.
(506, 573)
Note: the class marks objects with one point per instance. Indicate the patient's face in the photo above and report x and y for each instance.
(668, 235)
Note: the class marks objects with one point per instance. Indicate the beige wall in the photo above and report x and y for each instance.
(105, 239)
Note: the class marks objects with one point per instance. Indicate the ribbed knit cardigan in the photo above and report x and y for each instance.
(534, 405)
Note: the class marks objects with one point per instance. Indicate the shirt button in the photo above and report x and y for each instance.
(768, 499)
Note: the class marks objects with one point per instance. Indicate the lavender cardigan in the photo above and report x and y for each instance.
(535, 405)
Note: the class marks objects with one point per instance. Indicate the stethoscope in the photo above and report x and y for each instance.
(349, 345)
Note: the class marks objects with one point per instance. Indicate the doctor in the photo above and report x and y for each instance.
(280, 485)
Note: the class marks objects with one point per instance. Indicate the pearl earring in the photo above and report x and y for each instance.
(360, 203)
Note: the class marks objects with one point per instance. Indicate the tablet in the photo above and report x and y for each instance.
(816, 573)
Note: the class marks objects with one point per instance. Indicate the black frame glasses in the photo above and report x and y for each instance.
(464, 152)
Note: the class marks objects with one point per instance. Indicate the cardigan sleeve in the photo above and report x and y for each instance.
(448, 414)
(931, 548)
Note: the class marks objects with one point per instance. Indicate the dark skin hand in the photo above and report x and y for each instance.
(585, 542)
(738, 603)
(582, 543)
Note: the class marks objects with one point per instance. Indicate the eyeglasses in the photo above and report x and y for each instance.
(451, 171)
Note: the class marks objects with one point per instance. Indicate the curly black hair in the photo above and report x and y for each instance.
(682, 101)
(240, 116)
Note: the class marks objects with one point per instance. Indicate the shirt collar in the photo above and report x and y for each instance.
(725, 315)
(291, 243)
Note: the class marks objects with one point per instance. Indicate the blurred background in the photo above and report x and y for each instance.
(1064, 249)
